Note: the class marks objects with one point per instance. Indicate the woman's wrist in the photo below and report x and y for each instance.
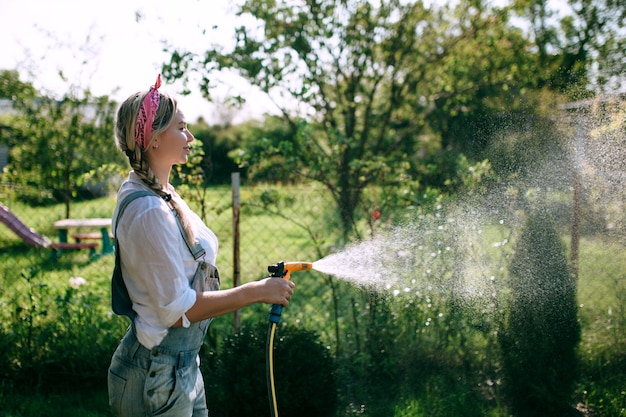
(252, 292)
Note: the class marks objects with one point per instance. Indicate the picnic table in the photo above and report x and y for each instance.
(102, 224)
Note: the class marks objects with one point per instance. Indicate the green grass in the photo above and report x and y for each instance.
(286, 235)
(602, 300)
(78, 402)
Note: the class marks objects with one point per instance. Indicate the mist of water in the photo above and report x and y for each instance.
(433, 253)
(465, 248)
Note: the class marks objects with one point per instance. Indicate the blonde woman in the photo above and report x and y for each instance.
(165, 279)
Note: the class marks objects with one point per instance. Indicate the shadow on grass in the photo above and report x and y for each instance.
(60, 400)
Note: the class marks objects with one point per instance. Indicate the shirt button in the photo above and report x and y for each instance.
(150, 392)
(152, 374)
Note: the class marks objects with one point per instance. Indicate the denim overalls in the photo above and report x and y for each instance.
(164, 380)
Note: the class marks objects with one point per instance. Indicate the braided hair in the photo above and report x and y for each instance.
(125, 141)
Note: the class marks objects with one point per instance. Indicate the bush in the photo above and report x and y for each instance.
(236, 382)
(51, 334)
(539, 340)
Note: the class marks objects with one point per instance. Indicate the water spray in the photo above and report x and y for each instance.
(278, 270)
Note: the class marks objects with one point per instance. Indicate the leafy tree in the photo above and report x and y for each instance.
(348, 63)
(539, 340)
(596, 34)
(488, 68)
(12, 88)
(377, 85)
(586, 46)
(60, 142)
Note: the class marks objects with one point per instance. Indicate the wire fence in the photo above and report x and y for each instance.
(274, 223)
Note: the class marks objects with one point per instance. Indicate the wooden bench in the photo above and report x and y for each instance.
(58, 247)
(102, 224)
(89, 236)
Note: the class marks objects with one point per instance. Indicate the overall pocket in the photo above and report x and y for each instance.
(206, 278)
(116, 386)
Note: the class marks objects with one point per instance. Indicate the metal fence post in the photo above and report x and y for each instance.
(236, 259)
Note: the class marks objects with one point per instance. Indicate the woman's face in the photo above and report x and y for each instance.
(172, 146)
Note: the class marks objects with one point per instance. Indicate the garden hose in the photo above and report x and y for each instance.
(271, 386)
(279, 270)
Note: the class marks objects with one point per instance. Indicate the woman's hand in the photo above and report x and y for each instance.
(274, 291)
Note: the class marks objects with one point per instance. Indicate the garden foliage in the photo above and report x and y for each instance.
(540, 338)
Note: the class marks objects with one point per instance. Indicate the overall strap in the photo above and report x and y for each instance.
(197, 251)
(126, 202)
(120, 299)
(121, 303)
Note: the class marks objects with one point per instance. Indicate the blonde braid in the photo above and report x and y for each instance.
(125, 141)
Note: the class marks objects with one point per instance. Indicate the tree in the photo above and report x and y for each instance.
(12, 88)
(376, 85)
(583, 48)
(539, 340)
(489, 70)
(60, 142)
(345, 62)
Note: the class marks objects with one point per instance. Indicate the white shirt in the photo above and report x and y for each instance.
(157, 265)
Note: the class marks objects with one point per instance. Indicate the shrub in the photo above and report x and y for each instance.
(53, 334)
(304, 373)
(539, 340)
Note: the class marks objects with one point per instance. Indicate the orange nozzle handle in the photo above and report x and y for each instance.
(284, 269)
(295, 267)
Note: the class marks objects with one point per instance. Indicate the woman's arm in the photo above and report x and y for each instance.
(216, 303)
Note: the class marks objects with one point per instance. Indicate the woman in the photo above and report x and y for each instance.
(166, 255)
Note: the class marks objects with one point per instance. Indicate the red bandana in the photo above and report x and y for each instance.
(147, 112)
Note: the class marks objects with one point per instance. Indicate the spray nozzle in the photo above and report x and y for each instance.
(284, 269)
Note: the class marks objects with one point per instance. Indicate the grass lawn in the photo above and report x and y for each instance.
(29, 277)
(88, 401)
